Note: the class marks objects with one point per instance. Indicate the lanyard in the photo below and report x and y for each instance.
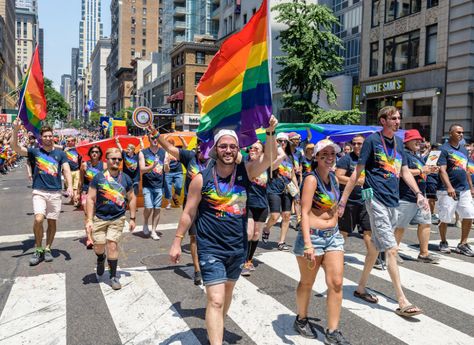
(110, 179)
(390, 158)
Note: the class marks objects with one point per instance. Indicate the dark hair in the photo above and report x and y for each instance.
(348, 144)
(385, 112)
(454, 125)
(358, 136)
(95, 147)
(45, 129)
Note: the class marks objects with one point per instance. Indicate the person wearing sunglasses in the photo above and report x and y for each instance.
(217, 203)
(88, 171)
(194, 161)
(130, 165)
(109, 192)
(152, 166)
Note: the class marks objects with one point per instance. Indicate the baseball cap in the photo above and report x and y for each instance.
(322, 144)
(412, 134)
(294, 135)
(220, 134)
(282, 136)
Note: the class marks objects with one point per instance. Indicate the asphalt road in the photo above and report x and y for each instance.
(160, 298)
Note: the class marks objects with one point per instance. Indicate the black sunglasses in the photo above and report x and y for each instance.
(115, 159)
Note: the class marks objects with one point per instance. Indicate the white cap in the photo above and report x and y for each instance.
(282, 136)
(322, 144)
(220, 134)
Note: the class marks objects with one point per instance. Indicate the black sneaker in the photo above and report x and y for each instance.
(465, 249)
(335, 338)
(100, 266)
(304, 328)
(197, 278)
(265, 236)
(37, 257)
(283, 247)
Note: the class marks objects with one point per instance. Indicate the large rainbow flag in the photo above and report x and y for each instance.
(32, 107)
(235, 91)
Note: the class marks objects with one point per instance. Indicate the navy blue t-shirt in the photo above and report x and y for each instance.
(221, 223)
(131, 166)
(175, 165)
(257, 197)
(413, 162)
(90, 173)
(47, 168)
(73, 158)
(281, 176)
(455, 160)
(348, 163)
(111, 201)
(382, 171)
(154, 178)
(193, 167)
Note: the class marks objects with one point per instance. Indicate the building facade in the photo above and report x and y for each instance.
(134, 34)
(29, 5)
(41, 47)
(7, 79)
(65, 88)
(98, 75)
(189, 61)
(404, 58)
(90, 31)
(26, 40)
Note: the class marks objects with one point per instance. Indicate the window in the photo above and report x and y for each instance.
(144, 42)
(132, 52)
(143, 53)
(132, 41)
(182, 79)
(144, 32)
(134, 10)
(132, 31)
(197, 77)
(182, 58)
(196, 105)
(395, 9)
(144, 2)
(144, 11)
(401, 52)
(133, 21)
(245, 18)
(374, 58)
(200, 58)
(178, 79)
(253, 11)
(375, 13)
(431, 44)
(432, 3)
(144, 21)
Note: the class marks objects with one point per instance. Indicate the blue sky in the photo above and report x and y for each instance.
(60, 21)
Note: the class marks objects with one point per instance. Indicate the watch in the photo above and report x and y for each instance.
(270, 133)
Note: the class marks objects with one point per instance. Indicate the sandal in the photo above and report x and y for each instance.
(405, 311)
(265, 236)
(368, 297)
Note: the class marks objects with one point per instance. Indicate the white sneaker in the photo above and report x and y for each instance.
(168, 207)
(155, 236)
(146, 231)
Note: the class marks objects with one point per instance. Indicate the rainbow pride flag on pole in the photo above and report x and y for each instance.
(235, 92)
(32, 106)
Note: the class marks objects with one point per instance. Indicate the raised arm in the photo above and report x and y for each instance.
(117, 142)
(171, 149)
(15, 144)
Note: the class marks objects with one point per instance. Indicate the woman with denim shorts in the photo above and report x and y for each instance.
(320, 242)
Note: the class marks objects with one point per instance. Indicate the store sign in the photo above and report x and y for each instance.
(7, 118)
(192, 119)
(385, 87)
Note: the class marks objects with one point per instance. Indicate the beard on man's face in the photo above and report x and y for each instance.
(225, 157)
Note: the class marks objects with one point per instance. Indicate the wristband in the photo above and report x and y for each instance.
(306, 248)
(270, 133)
(419, 192)
(179, 236)
(132, 218)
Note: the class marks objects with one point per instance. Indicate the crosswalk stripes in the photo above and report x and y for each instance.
(143, 313)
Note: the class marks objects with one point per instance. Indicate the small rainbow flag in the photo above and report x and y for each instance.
(32, 107)
(235, 92)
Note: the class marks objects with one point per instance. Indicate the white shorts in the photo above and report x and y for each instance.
(47, 203)
(447, 206)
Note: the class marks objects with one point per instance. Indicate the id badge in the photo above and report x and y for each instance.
(367, 194)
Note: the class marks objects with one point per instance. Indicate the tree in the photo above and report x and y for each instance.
(75, 123)
(94, 118)
(337, 117)
(311, 53)
(57, 107)
(126, 114)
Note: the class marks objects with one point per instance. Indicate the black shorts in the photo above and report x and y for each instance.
(431, 190)
(258, 214)
(279, 202)
(354, 214)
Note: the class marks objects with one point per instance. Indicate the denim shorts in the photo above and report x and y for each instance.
(410, 213)
(321, 245)
(219, 269)
(152, 197)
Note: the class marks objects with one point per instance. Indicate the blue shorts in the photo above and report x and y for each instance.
(136, 187)
(152, 197)
(321, 244)
(217, 269)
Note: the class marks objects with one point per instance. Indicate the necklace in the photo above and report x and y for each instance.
(230, 186)
(390, 158)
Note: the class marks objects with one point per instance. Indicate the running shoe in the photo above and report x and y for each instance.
(283, 247)
(304, 328)
(399, 259)
(428, 259)
(251, 266)
(155, 236)
(48, 257)
(37, 257)
(434, 219)
(246, 270)
(265, 236)
(335, 338)
(197, 278)
(465, 249)
(146, 231)
(444, 247)
(100, 266)
(115, 283)
(168, 207)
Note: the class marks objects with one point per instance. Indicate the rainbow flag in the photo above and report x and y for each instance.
(235, 92)
(32, 107)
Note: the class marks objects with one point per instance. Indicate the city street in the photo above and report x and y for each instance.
(63, 302)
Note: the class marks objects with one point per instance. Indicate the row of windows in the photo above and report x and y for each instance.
(134, 11)
(132, 41)
(132, 31)
(200, 58)
(402, 52)
(179, 80)
(395, 9)
(133, 21)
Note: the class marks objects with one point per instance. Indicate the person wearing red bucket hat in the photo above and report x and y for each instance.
(409, 212)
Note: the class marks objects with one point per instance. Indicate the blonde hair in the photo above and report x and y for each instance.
(112, 150)
(131, 147)
(385, 112)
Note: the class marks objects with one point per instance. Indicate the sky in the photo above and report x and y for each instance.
(60, 21)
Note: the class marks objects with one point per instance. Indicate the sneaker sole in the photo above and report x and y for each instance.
(35, 264)
(314, 336)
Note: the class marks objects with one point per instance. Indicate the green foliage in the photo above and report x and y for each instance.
(75, 123)
(337, 117)
(94, 118)
(58, 108)
(310, 54)
(126, 114)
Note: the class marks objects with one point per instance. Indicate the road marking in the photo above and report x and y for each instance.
(381, 314)
(445, 261)
(142, 313)
(35, 311)
(452, 295)
(75, 233)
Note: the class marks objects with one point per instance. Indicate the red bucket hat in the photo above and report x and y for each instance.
(412, 134)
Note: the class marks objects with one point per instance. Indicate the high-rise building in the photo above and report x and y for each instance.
(98, 75)
(134, 34)
(74, 78)
(7, 77)
(26, 40)
(65, 88)
(90, 31)
(29, 5)
(41, 46)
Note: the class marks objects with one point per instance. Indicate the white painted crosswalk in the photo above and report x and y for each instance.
(143, 311)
